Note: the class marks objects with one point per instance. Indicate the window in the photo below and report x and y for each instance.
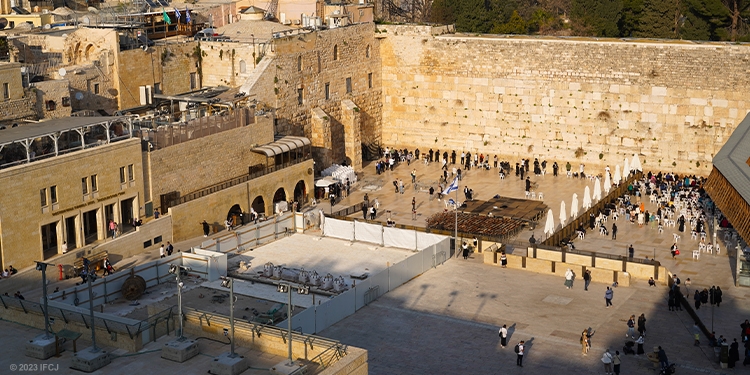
(66, 101)
(328, 91)
(369, 80)
(367, 50)
(349, 85)
(53, 194)
(157, 88)
(300, 96)
(243, 66)
(85, 185)
(131, 173)
(6, 90)
(299, 63)
(96, 88)
(194, 78)
(94, 183)
(362, 14)
(50, 105)
(43, 195)
(335, 52)
(122, 175)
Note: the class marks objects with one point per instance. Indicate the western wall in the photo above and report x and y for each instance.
(566, 99)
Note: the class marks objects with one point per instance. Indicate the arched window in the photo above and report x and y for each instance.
(299, 63)
(51, 105)
(243, 66)
(335, 52)
(367, 51)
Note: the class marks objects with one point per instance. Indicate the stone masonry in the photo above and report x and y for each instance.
(674, 103)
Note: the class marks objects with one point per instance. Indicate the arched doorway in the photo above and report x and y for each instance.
(235, 216)
(259, 205)
(300, 193)
(279, 195)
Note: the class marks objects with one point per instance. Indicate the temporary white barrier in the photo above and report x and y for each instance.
(365, 232)
(394, 237)
(339, 229)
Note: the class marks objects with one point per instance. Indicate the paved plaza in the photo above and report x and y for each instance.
(446, 320)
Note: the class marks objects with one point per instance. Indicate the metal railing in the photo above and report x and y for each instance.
(161, 131)
(83, 318)
(234, 181)
(372, 294)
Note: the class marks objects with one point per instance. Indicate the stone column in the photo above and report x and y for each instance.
(320, 137)
(350, 118)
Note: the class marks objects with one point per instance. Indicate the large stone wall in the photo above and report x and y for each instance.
(226, 63)
(674, 103)
(278, 86)
(196, 164)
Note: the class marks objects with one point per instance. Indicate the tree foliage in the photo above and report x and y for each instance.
(670, 19)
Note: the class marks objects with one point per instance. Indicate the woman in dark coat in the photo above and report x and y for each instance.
(466, 250)
(642, 325)
(734, 353)
(681, 222)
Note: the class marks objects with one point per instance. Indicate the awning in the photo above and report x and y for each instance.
(326, 181)
(282, 145)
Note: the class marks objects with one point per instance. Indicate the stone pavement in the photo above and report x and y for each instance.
(470, 325)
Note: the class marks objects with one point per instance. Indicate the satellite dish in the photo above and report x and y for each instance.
(86, 20)
(62, 72)
(93, 10)
(3, 23)
(144, 48)
(65, 36)
(79, 96)
(47, 27)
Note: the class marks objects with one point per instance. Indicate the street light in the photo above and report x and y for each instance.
(90, 278)
(41, 266)
(228, 282)
(177, 270)
(286, 288)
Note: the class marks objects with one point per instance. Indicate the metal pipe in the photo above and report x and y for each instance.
(43, 267)
(231, 316)
(179, 300)
(289, 321)
(94, 349)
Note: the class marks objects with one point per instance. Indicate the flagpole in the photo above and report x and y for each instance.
(455, 226)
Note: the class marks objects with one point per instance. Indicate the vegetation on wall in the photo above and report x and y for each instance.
(679, 19)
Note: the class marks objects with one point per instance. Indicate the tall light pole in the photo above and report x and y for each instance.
(90, 278)
(41, 266)
(228, 282)
(177, 270)
(286, 288)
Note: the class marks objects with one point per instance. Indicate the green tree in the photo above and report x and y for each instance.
(596, 17)
(631, 15)
(657, 19)
(515, 25)
(443, 12)
(475, 16)
(704, 20)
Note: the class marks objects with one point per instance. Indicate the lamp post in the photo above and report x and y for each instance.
(228, 282)
(41, 266)
(286, 288)
(177, 270)
(254, 53)
(90, 278)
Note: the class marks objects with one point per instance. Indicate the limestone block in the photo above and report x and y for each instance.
(552, 255)
(610, 264)
(538, 265)
(577, 259)
(515, 261)
(600, 275)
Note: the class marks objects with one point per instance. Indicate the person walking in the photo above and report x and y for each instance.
(585, 342)
(586, 280)
(569, 275)
(465, 248)
(663, 361)
(631, 327)
(503, 259)
(717, 296)
(734, 354)
(161, 251)
(364, 210)
(642, 325)
(519, 353)
(206, 228)
(503, 335)
(616, 362)
(608, 294)
(607, 360)
(640, 342)
(614, 231)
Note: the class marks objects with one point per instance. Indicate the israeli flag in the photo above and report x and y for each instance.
(188, 19)
(452, 187)
(177, 14)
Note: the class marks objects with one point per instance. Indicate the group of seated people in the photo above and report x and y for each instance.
(8, 272)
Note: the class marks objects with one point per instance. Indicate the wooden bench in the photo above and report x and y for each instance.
(96, 262)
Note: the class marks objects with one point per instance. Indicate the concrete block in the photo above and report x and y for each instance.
(599, 275)
(41, 347)
(226, 364)
(285, 368)
(609, 264)
(539, 265)
(555, 256)
(180, 350)
(88, 361)
(582, 260)
(515, 261)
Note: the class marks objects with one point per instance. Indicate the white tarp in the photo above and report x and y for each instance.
(368, 232)
(339, 229)
(428, 239)
(404, 239)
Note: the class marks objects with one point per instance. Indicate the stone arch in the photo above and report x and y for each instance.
(89, 52)
(367, 51)
(279, 195)
(300, 192)
(235, 215)
(299, 63)
(259, 205)
(77, 54)
(243, 66)
(335, 52)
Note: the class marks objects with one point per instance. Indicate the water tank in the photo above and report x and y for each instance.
(314, 279)
(327, 282)
(339, 285)
(302, 277)
(277, 272)
(268, 269)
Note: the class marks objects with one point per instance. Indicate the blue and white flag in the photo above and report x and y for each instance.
(187, 15)
(177, 14)
(452, 187)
